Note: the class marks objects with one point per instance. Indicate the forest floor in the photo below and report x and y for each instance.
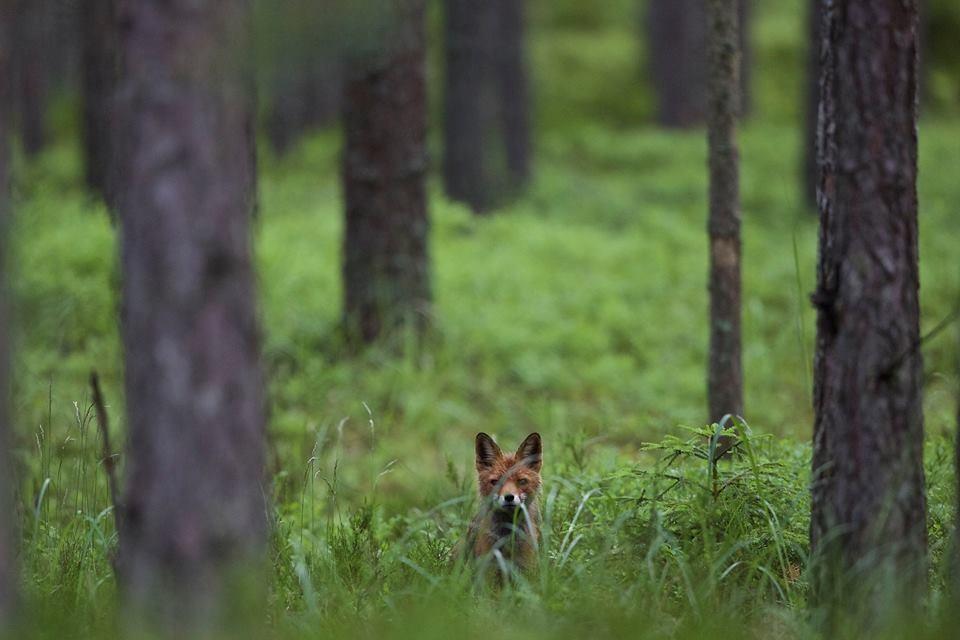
(578, 311)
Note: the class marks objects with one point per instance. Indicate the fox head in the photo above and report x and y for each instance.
(509, 480)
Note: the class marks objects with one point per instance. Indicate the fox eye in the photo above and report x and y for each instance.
(494, 481)
(523, 482)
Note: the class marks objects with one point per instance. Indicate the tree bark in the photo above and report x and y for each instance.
(467, 73)
(513, 86)
(811, 170)
(386, 269)
(8, 574)
(744, 19)
(32, 73)
(868, 527)
(194, 508)
(99, 77)
(676, 31)
(305, 95)
(725, 376)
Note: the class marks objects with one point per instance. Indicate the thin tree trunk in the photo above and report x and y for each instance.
(386, 270)
(467, 73)
(676, 31)
(100, 67)
(194, 507)
(8, 574)
(32, 74)
(725, 376)
(514, 90)
(811, 170)
(868, 527)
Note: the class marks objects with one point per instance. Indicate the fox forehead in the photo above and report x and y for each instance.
(508, 465)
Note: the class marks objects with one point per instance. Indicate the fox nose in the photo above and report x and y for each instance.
(508, 498)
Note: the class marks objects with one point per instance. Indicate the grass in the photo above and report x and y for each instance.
(578, 311)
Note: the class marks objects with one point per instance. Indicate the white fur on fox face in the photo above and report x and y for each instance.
(518, 500)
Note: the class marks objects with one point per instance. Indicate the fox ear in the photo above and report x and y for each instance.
(487, 451)
(530, 452)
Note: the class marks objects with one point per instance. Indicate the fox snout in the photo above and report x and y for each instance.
(509, 497)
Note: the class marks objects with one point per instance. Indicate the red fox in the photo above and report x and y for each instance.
(508, 524)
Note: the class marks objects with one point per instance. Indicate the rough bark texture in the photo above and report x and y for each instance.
(725, 375)
(676, 32)
(8, 576)
(32, 73)
(513, 85)
(194, 507)
(386, 269)
(466, 176)
(99, 75)
(868, 508)
(811, 168)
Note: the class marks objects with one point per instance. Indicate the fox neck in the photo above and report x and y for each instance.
(513, 522)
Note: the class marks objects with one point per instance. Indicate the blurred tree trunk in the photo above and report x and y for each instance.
(513, 86)
(8, 575)
(194, 508)
(725, 376)
(810, 167)
(305, 95)
(466, 175)
(676, 31)
(744, 17)
(868, 526)
(99, 76)
(31, 55)
(487, 120)
(386, 270)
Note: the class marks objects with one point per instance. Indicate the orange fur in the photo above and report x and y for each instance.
(509, 517)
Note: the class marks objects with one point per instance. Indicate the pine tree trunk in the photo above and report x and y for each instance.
(194, 507)
(868, 526)
(744, 19)
(8, 576)
(31, 72)
(676, 31)
(305, 95)
(467, 73)
(811, 170)
(386, 270)
(100, 68)
(725, 376)
(514, 90)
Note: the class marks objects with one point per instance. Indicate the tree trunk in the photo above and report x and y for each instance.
(514, 90)
(725, 376)
(744, 13)
(811, 169)
(8, 576)
(466, 175)
(100, 68)
(194, 508)
(386, 269)
(868, 527)
(306, 94)
(32, 77)
(676, 31)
